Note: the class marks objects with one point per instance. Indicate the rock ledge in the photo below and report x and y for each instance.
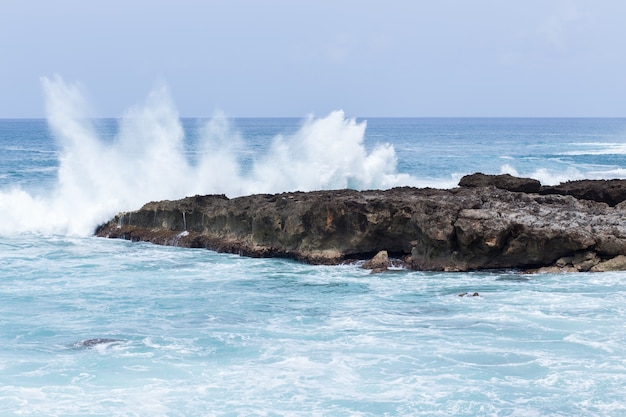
(486, 224)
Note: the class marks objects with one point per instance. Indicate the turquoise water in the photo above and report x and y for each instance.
(209, 334)
(203, 334)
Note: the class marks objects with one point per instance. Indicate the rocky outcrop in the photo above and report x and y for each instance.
(503, 181)
(379, 263)
(616, 264)
(611, 192)
(466, 228)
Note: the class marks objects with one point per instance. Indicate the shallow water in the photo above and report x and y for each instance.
(209, 334)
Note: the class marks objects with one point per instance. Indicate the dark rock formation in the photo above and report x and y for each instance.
(89, 343)
(611, 192)
(461, 229)
(504, 182)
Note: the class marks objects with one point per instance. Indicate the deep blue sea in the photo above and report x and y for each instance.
(196, 333)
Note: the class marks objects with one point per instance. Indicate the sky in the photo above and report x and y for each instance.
(294, 58)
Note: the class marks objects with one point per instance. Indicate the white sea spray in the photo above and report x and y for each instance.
(146, 161)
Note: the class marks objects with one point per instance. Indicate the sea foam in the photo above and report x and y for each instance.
(146, 161)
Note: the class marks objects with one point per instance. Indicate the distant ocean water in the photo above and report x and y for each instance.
(195, 333)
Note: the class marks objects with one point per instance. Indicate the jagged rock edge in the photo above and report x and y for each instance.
(488, 195)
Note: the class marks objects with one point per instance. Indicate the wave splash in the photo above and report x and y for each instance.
(146, 161)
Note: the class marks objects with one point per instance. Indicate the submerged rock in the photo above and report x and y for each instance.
(89, 343)
(461, 229)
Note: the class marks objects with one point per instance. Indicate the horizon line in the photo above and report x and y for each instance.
(347, 117)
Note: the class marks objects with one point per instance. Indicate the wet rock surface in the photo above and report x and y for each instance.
(477, 226)
(90, 343)
(379, 263)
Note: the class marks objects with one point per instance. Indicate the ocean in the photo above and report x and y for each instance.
(98, 327)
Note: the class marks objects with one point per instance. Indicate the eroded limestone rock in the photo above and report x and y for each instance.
(615, 264)
(379, 263)
(466, 228)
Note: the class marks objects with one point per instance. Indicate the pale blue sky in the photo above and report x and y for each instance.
(299, 57)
